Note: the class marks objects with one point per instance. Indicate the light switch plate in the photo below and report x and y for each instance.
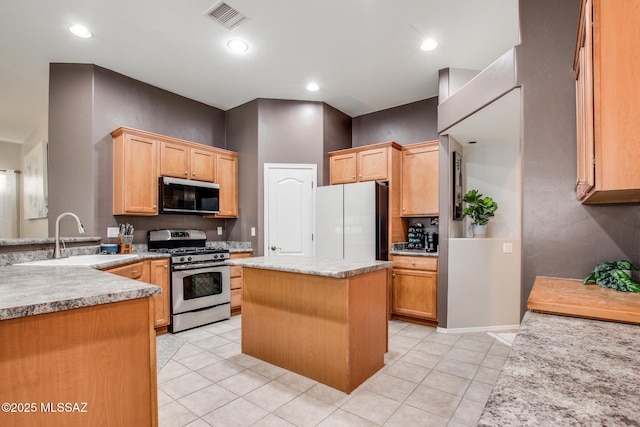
(507, 248)
(112, 231)
(219, 231)
(253, 231)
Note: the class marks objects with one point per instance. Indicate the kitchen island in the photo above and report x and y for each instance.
(325, 319)
(78, 348)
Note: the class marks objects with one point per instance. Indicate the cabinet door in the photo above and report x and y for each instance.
(343, 168)
(135, 180)
(203, 164)
(415, 294)
(420, 188)
(159, 276)
(227, 177)
(373, 165)
(174, 160)
(585, 179)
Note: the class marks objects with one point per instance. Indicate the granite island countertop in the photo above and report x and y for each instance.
(565, 371)
(328, 267)
(29, 290)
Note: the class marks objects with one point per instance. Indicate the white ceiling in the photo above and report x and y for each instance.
(363, 53)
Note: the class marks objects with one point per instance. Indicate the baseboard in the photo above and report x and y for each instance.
(499, 328)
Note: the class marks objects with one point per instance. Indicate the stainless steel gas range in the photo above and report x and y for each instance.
(200, 278)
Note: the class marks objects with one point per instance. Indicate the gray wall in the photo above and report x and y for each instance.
(336, 135)
(242, 137)
(561, 237)
(86, 103)
(406, 124)
(279, 131)
(11, 157)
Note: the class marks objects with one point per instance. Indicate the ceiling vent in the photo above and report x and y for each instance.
(226, 16)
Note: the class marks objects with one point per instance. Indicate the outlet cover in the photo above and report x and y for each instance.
(253, 231)
(112, 231)
(219, 231)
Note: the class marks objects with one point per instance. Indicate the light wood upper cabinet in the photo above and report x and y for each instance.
(227, 177)
(608, 102)
(420, 183)
(368, 163)
(135, 174)
(185, 161)
(140, 158)
(373, 164)
(343, 168)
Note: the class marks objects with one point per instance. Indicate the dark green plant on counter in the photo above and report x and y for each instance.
(611, 274)
(480, 209)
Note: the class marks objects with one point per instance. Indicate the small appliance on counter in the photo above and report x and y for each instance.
(431, 241)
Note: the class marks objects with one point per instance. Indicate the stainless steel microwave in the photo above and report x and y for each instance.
(185, 196)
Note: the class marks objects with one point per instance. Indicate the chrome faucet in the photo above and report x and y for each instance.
(56, 251)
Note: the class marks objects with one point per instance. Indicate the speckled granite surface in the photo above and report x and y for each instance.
(26, 291)
(46, 240)
(338, 268)
(413, 252)
(565, 371)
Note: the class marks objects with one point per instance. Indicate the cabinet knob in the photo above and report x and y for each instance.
(413, 263)
(193, 174)
(393, 274)
(165, 266)
(134, 271)
(186, 172)
(403, 209)
(155, 206)
(360, 175)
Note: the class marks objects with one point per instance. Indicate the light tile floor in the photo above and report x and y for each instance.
(429, 379)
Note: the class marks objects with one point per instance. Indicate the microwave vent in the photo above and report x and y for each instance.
(226, 16)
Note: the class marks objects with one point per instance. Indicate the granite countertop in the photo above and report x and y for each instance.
(98, 261)
(337, 268)
(570, 372)
(27, 291)
(46, 240)
(413, 252)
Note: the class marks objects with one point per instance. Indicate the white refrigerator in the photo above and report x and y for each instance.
(351, 221)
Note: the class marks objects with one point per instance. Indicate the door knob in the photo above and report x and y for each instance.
(273, 248)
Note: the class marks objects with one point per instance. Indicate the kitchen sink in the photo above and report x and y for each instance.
(80, 260)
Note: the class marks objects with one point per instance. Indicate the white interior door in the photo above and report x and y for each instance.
(289, 209)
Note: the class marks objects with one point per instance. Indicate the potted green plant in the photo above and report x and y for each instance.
(480, 209)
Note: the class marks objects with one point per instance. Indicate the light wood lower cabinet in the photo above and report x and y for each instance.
(414, 289)
(155, 272)
(236, 283)
(102, 358)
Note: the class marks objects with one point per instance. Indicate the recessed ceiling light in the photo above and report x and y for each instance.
(313, 87)
(429, 44)
(80, 31)
(238, 46)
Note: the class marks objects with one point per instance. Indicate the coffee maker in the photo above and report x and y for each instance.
(431, 241)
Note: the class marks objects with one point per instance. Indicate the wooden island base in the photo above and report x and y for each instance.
(331, 330)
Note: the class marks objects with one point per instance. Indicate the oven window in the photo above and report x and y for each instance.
(199, 285)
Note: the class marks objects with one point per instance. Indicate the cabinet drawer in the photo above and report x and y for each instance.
(236, 298)
(236, 283)
(131, 271)
(236, 271)
(415, 262)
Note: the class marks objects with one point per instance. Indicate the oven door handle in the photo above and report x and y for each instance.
(180, 267)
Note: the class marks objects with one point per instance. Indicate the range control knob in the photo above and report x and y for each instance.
(181, 259)
(215, 256)
(189, 258)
